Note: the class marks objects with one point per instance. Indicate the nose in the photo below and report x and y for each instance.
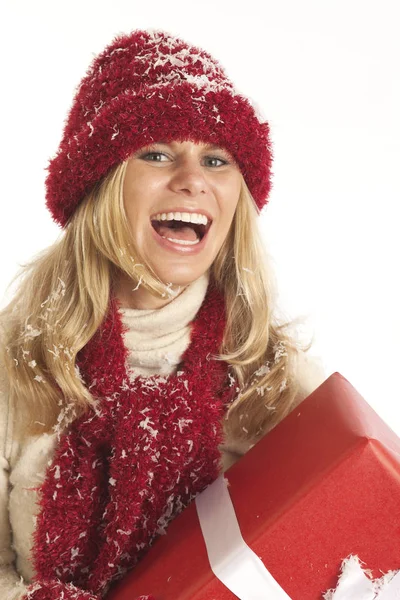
(189, 177)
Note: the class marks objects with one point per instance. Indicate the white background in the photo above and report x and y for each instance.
(324, 74)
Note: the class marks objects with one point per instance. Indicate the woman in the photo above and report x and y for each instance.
(141, 354)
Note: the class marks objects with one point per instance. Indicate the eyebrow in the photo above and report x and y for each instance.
(207, 146)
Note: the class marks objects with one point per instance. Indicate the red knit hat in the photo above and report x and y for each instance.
(145, 87)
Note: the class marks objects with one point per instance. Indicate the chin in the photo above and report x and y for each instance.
(181, 279)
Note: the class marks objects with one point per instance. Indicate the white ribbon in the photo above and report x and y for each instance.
(242, 572)
(355, 585)
(231, 559)
(391, 591)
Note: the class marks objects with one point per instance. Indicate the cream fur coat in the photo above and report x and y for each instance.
(155, 347)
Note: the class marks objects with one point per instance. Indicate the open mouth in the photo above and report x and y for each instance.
(181, 232)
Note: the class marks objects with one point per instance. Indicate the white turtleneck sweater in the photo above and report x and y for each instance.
(156, 340)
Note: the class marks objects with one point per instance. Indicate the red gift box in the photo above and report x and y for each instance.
(323, 484)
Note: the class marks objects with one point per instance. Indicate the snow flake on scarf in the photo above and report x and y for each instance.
(119, 476)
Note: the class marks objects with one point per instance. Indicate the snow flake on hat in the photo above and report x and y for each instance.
(180, 63)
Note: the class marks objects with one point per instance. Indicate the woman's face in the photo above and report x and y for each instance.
(165, 185)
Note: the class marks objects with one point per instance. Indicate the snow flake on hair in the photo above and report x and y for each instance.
(263, 370)
(30, 332)
(280, 350)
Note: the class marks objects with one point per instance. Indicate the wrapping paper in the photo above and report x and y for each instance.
(323, 485)
(231, 559)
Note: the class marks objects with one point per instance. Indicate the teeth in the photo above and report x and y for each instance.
(185, 217)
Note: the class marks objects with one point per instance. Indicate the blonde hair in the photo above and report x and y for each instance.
(63, 297)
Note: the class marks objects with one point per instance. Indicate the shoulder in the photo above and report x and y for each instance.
(8, 442)
(5, 421)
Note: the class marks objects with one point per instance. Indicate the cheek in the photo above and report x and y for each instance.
(232, 202)
(140, 191)
(129, 210)
(133, 202)
(235, 188)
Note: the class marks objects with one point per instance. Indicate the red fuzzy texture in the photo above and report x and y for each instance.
(55, 590)
(119, 476)
(144, 88)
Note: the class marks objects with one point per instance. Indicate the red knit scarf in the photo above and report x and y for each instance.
(120, 476)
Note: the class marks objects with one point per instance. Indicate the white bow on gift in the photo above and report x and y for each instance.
(354, 583)
(244, 574)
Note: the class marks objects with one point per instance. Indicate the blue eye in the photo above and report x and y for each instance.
(214, 158)
(223, 161)
(152, 154)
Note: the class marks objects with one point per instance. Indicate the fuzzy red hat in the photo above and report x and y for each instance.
(146, 87)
